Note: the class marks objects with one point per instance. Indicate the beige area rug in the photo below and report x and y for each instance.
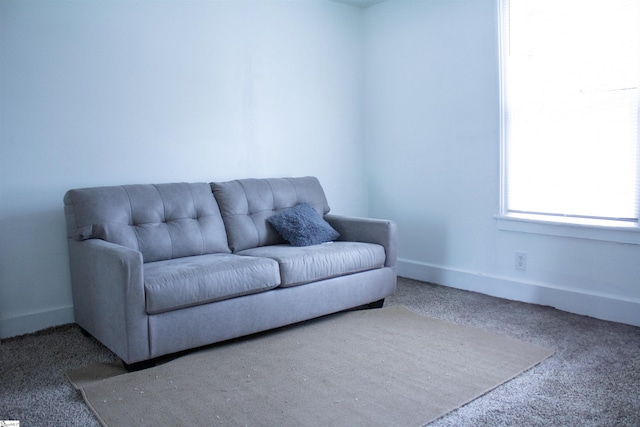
(381, 367)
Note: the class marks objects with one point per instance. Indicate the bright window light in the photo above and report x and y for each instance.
(570, 77)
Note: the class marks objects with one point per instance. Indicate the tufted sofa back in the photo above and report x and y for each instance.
(246, 204)
(162, 221)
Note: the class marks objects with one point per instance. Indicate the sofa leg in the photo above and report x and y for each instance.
(138, 366)
(377, 304)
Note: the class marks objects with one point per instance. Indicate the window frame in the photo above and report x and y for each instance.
(626, 232)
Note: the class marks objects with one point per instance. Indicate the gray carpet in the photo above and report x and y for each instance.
(387, 367)
(592, 379)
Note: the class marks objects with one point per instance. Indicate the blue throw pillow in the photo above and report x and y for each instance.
(302, 225)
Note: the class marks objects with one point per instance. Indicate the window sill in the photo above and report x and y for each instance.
(607, 231)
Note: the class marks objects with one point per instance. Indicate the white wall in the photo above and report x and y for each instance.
(432, 132)
(113, 92)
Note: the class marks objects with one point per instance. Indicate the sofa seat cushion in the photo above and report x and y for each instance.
(299, 265)
(183, 282)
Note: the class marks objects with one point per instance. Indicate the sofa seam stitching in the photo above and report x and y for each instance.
(164, 220)
(244, 190)
(197, 218)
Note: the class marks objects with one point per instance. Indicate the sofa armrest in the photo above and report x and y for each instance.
(380, 231)
(108, 296)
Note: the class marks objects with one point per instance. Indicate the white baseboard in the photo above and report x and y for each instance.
(31, 322)
(599, 306)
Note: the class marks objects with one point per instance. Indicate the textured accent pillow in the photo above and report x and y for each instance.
(302, 225)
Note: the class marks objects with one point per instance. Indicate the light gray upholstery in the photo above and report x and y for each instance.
(246, 204)
(161, 221)
(306, 264)
(153, 272)
(253, 313)
(178, 283)
(108, 296)
(381, 231)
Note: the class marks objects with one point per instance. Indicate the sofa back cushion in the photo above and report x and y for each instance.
(246, 204)
(162, 221)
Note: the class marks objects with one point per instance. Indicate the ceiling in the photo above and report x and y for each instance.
(359, 3)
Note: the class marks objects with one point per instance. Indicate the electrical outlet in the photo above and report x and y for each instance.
(521, 261)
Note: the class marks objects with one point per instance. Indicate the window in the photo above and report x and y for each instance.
(570, 73)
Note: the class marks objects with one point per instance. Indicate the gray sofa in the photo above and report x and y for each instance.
(157, 269)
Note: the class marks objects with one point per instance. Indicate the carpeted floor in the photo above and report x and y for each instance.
(592, 379)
